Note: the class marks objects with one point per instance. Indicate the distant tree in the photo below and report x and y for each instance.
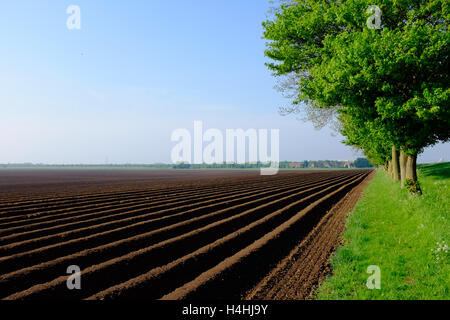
(362, 163)
(182, 165)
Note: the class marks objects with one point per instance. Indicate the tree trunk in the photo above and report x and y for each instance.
(411, 174)
(411, 167)
(402, 163)
(390, 168)
(395, 165)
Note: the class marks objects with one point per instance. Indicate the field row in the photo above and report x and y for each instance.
(170, 244)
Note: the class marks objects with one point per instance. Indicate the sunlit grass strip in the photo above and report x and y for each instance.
(406, 236)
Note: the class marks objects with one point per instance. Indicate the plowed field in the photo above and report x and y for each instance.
(170, 235)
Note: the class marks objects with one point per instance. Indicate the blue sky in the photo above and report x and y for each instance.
(116, 89)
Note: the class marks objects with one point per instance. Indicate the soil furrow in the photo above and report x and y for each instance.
(99, 273)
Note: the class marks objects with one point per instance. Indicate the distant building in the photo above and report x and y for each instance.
(295, 165)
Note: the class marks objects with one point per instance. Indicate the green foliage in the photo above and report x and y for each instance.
(390, 85)
(182, 165)
(362, 163)
(413, 187)
(405, 236)
(369, 137)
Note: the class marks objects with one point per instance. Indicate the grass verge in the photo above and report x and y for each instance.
(399, 233)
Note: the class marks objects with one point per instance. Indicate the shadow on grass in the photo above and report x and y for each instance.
(441, 170)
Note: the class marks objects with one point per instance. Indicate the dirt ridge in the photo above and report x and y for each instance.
(182, 239)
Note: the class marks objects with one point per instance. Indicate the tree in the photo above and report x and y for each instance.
(368, 137)
(362, 163)
(305, 164)
(393, 80)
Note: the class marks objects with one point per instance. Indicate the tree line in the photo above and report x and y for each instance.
(358, 163)
(385, 89)
(307, 164)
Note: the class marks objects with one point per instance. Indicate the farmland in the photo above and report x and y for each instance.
(171, 234)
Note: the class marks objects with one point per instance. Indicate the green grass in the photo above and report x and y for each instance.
(399, 233)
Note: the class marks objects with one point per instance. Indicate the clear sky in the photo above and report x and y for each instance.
(114, 90)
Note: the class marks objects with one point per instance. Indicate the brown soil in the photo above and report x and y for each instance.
(170, 235)
(307, 265)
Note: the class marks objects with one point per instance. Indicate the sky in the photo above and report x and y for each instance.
(114, 90)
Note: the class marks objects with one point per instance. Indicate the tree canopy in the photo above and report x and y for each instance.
(388, 85)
